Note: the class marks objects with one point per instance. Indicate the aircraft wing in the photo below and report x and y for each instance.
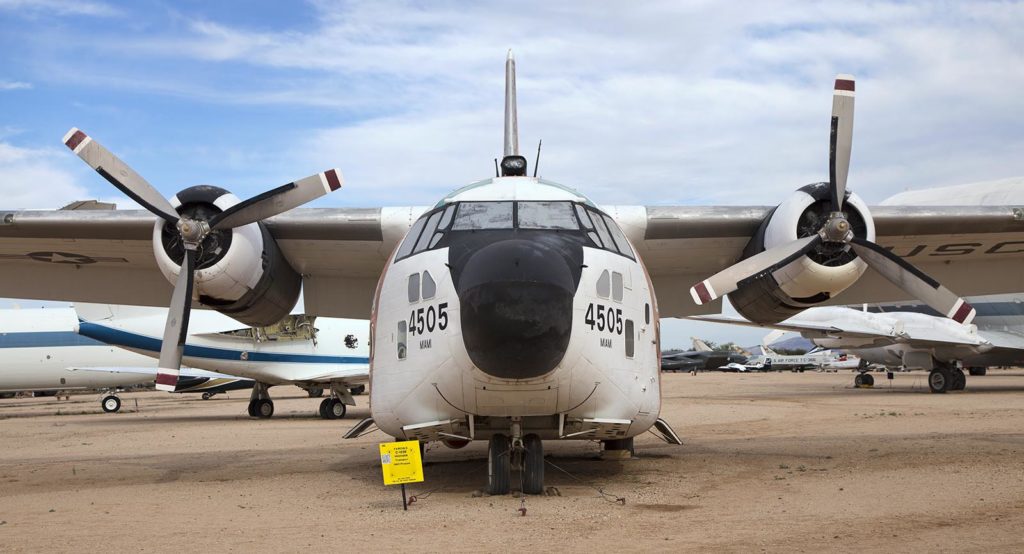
(923, 337)
(972, 250)
(350, 374)
(106, 256)
(809, 329)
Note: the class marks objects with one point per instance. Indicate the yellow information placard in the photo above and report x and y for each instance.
(401, 462)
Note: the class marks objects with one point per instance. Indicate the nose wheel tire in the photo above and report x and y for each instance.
(499, 467)
(263, 408)
(207, 395)
(110, 404)
(332, 408)
(533, 465)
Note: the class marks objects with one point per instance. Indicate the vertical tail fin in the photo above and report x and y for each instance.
(699, 345)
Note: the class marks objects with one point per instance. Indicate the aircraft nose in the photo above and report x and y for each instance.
(516, 307)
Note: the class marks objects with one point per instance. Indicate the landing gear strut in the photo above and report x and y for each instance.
(260, 404)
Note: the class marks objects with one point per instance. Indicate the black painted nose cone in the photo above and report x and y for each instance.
(516, 308)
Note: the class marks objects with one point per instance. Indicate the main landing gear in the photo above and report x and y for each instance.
(524, 453)
(864, 380)
(110, 403)
(335, 406)
(260, 404)
(946, 378)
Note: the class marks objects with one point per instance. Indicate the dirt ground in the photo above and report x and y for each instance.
(772, 462)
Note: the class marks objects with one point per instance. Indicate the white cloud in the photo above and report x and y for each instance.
(34, 8)
(35, 178)
(14, 85)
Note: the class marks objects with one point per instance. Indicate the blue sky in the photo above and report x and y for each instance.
(638, 103)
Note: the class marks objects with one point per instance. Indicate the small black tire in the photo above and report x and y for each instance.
(858, 381)
(869, 380)
(357, 390)
(110, 404)
(533, 465)
(264, 408)
(207, 396)
(252, 408)
(315, 393)
(324, 412)
(977, 371)
(499, 466)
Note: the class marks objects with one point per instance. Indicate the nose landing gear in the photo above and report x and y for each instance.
(525, 454)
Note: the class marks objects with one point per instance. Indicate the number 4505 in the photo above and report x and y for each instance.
(424, 320)
(604, 317)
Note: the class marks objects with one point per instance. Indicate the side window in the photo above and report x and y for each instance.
(620, 239)
(616, 286)
(429, 286)
(410, 239)
(428, 232)
(602, 230)
(414, 288)
(401, 339)
(443, 225)
(604, 285)
(630, 347)
(588, 225)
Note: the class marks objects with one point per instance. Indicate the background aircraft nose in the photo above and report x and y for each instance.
(516, 307)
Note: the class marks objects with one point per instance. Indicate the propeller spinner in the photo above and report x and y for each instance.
(836, 234)
(192, 231)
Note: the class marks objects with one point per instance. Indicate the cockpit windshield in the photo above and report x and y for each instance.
(593, 227)
(546, 215)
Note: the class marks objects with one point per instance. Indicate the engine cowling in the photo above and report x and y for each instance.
(240, 272)
(812, 278)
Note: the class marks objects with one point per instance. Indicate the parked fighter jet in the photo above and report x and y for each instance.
(515, 310)
(701, 358)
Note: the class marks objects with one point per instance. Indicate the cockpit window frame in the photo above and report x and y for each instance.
(596, 228)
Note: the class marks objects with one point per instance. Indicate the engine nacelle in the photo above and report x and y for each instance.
(240, 272)
(813, 278)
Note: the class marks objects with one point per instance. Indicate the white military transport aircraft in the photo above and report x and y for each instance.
(515, 310)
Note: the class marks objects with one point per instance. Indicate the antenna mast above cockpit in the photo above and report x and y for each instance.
(512, 164)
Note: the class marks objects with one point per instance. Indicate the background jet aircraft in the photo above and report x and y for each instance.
(914, 337)
(515, 310)
(311, 353)
(701, 358)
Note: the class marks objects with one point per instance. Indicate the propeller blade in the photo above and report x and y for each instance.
(841, 139)
(913, 281)
(277, 201)
(176, 328)
(728, 279)
(119, 174)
